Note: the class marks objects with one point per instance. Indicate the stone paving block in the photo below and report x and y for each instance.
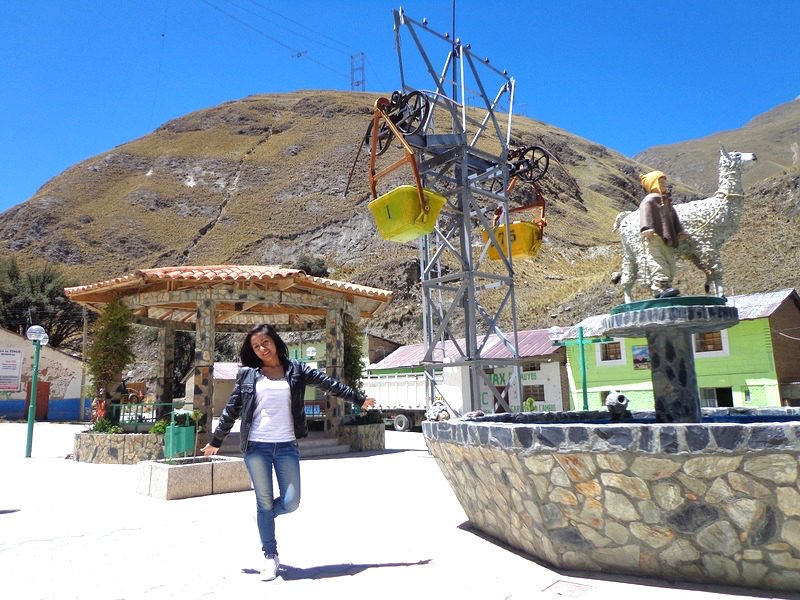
(229, 475)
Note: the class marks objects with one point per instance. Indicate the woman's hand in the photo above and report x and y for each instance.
(368, 403)
(209, 450)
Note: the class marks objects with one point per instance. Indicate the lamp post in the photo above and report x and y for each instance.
(311, 352)
(39, 337)
(556, 336)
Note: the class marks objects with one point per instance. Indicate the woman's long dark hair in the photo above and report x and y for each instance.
(248, 355)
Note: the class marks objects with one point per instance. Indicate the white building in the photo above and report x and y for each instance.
(58, 384)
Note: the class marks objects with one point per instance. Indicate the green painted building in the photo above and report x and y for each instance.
(756, 363)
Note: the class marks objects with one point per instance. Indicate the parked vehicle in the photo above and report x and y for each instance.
(402, 397)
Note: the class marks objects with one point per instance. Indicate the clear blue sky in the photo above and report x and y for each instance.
(82, 76)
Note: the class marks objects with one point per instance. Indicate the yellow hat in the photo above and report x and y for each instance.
(651, 181)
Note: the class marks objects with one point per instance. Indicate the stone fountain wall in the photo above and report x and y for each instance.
(713, 502)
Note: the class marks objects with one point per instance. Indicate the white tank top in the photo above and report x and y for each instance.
(272, 420)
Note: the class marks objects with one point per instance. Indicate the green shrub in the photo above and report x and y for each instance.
(159, 427)
(182, 419)
(105, 425)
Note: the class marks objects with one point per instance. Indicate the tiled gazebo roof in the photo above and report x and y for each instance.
(244, 295)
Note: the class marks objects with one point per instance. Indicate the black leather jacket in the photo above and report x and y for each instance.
(242, 402)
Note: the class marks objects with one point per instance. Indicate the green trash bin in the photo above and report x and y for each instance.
(178, 439)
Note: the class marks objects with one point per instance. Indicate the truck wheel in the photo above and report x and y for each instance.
(401, 422)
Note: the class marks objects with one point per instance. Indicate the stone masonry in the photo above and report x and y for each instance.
(362, 438)
(716, 502)
(118, 448)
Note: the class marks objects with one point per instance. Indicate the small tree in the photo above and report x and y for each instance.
(312, 266)
(111, 348)
(36, 297)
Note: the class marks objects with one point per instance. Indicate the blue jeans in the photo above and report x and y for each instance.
(261, 458)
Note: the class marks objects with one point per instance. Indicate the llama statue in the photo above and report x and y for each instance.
(708, 223)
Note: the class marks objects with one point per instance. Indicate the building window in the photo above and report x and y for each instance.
(711, 344)
(534, 392)
(708, 398)
(610, 354)
(610, 351)
(710, 341)
(716, 397)
(533, 399)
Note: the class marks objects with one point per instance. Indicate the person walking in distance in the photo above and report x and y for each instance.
(268, 397)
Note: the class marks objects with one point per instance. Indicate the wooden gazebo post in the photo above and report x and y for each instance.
(334, 365)
(203, 382)
(165, 363)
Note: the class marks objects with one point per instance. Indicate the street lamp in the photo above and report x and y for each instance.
(39, 337)
(556, 335)
(311, 352)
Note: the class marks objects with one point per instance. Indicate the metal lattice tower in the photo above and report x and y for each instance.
(357, 80)
(462, 154)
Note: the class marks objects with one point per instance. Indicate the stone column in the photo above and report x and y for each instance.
(674, 378)
(334, 366)
(668, 325)
(203, 393)
(165, 361)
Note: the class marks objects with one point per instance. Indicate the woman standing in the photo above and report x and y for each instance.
(268, 396)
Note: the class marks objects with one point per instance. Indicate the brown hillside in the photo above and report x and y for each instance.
(774, 136)
(261, 181)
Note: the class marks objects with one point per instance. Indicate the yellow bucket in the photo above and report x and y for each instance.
(526, 238)
(399, 216)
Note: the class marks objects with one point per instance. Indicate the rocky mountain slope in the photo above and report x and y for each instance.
(261, 181)
(774, 136)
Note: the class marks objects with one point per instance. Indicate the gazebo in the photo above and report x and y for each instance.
(233, 298)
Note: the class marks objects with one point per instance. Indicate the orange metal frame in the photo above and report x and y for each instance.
(379, 112)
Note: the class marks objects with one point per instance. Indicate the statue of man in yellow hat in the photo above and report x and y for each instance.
(661, 229)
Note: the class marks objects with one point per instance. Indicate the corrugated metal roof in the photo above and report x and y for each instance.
(763, 304)
(536, 342)
(531, 343)
(750, 306)
(412, 355)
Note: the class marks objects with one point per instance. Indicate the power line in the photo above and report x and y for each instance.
(344, 48)
(294, 51)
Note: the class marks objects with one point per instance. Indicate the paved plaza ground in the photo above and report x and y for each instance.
(370, 526)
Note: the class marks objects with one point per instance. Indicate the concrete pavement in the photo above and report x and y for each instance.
(370, 525)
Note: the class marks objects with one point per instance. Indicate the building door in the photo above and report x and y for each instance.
(724, 397)
(42, 399)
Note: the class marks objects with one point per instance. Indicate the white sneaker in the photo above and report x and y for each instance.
(270, 570)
